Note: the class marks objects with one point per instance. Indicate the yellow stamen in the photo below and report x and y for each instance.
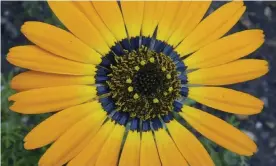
(130, 89)
(136, 96)
(129, 81)
(155, 100)
(143, 62)
(137, 68)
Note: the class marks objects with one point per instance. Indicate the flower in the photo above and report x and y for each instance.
(124, 72)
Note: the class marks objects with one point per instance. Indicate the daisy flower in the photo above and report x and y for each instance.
(120, 75)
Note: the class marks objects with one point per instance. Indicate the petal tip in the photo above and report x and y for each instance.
(13, 108)
(28, 146)
(16, 108)
(253, 148)
(14, 84)
(11, 98)
(26, 138)
(13, 49)
(23, 28)
(28, 26)
(241, 3)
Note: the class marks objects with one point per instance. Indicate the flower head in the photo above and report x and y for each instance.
(126, 69)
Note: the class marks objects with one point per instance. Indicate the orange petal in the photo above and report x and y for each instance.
(212, 27)
(59, 42)
(51, 99)
(164, 26)
(230, 73)
(188, 18)
(34, 80)
(219, 131)
(90, 12)
(34, 58)
(133, 16)
(189, 145)
(148, 153)
(79, 25)
(227, 100)
(226, 49)
(112, 17)
(53, 127)
(168, 152)
(131, 150)
(73, 140)
(109, 154)
(90, 153)
(153, 12)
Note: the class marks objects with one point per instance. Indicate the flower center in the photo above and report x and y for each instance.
(144, 83)
(149, 80)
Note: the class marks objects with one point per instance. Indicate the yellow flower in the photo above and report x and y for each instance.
(128, 67)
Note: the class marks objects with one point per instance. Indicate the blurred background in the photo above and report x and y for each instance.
(261, 127)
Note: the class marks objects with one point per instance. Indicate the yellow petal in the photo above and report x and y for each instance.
(53, 127)
(34, 58)
(112, 17)
(168, 152)
(133, 16)
(87, 8)
(230, 73)
(148, 153)
(219, 131)
(227, 100)
(34, 80)
(97, 122)
(189, 146)
(153, 12)
(164, 26)
(178, 17)
(79, 25)
(131, 150)
(109, 154)
(59, 42)
(73, 140)
(188, 18)
(212, 28)
(51, 99)
(226, 49)
(89, 154)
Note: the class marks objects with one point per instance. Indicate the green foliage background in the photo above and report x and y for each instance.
(15, 126)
